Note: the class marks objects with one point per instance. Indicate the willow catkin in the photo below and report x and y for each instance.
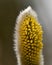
(28, 39)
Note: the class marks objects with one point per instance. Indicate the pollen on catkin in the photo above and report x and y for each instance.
(30, 32)
(28, 39)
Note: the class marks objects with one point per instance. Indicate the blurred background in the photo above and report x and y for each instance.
(9, 10)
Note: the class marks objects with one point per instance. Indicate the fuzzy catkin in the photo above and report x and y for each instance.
(28, 39)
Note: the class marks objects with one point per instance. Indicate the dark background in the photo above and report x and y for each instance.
(9, 10)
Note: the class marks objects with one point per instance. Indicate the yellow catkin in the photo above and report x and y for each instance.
(30, 41)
